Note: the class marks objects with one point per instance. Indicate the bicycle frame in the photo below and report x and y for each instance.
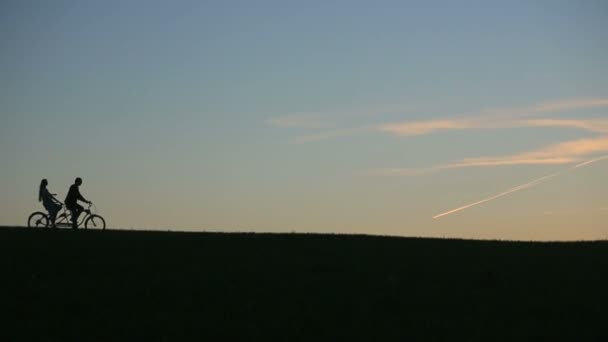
(65, 218)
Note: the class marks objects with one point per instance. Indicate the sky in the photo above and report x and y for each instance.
(468, 119)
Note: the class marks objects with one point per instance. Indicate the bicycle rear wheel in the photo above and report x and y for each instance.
(95, 222)
(38, 220)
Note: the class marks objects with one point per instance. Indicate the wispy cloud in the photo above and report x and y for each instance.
(562, 153)
(466, 163)
(494, 118)
(431, 126)
(566, 151)
(591, 125)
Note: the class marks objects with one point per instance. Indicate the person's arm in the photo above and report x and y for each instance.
(55, 199)
(50, 195)
(80, 197)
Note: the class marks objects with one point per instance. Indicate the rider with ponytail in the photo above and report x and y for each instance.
(49, 201)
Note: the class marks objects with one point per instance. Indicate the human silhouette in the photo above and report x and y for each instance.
(71, 201)
(49, 201)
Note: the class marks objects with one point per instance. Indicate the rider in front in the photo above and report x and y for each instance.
(71, 202)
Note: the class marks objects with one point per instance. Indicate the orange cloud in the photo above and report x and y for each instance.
(431, 126)
(486, 119)
(562, 153)
(575, 148)
(426, 127)
(506, 118)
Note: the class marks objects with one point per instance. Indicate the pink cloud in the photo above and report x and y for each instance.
(568, 152)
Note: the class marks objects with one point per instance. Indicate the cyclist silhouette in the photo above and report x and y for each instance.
(71, 202)
(49, 201)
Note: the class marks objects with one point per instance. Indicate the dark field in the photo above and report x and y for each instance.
(156, 286)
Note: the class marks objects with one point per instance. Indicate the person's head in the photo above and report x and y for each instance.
(78, 181)
(43, 184)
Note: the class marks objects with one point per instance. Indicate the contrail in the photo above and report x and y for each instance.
(521, 187)
(517, 188)
(590, 161)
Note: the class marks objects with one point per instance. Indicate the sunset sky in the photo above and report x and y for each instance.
(312, 116)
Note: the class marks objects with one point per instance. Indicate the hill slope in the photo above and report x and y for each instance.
(158, 286)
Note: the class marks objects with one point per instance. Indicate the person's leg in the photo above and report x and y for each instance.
(49, 209)
(72, 210)
(53, 216)
(76, 210)
(57, 211)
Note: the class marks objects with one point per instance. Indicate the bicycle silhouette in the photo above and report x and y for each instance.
(88, 217)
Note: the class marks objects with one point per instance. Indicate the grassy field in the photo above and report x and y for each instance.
(158, 286)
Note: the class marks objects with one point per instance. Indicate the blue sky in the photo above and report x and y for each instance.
(325, 116)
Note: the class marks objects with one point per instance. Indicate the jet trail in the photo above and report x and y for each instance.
(521, 187)
(590, 161)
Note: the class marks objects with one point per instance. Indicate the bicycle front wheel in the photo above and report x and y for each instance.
(38, 220)
(95, 222)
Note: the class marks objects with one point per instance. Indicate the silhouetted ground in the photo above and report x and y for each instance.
(158, 286)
